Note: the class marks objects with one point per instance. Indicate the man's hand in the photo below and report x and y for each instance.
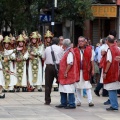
(93, 72)
(65, 75)
(117, 58)
(104, 75)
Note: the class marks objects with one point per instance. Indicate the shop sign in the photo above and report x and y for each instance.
(104, 11)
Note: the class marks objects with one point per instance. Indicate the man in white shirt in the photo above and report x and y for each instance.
(50, 71)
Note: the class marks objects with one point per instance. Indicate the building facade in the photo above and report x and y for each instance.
(106, 18)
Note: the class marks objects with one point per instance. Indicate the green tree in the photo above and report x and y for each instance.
(76, 10)
(24, 14)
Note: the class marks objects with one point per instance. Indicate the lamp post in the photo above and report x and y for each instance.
(54, 4)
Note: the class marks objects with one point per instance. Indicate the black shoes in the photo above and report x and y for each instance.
(111, 109)
(24, 89)
(97, 93)
(55, 88)
(40, 90)
(91, 104)
(107, 102)
(17, 89)
(46, 103)
(60, 106)
(11, 91)
(66, 107)
(105, 95)
(4, 90)
(70, 107)
(2, 96)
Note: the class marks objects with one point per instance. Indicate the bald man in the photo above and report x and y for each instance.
(111, 73)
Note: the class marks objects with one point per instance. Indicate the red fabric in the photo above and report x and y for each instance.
(86, 63)
(73, 75)
(101, 65)
(113, 72)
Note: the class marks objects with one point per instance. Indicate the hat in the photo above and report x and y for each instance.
(24, 35)
(34, 35)
(49, 34)
(6, 39)
(39, 36)
(11, 37)
(21, 38)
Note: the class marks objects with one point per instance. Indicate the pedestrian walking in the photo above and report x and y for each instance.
(51, 66)
(85, 65)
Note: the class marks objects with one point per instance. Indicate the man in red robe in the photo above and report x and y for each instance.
(111, 73)
(68, 75)
(85, 65)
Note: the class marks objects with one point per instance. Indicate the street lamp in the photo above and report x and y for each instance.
(54, 5)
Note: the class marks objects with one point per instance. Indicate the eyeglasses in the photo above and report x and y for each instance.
(81, 41)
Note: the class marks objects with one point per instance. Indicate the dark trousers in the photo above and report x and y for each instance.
(118, 91)
(50, 74)
(100, 86)
(70, 97)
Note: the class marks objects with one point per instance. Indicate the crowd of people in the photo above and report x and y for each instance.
(29, 63)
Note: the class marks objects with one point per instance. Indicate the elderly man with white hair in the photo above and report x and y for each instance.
(67, 76)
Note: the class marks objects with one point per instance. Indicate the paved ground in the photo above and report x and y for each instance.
(30, 106)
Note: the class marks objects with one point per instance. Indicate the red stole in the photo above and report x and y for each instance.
(72, 75)
(113, 72)
(86, 62)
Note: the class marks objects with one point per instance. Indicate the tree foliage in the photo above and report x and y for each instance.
(24, 14)
(77, 10)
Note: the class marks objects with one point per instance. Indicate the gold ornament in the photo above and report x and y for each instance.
(21, 38)
(49, 34)
(6, 39)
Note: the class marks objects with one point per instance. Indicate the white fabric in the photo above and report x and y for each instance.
(82, 84)
(70, 58)
(13, 79)
(2, 82)
(109, 56)
(105, 48)
(99, 55)
(99, 52)
(79, 96)
(43, 79)
(58, 52)
(68, 88)
(39, 76)
(24, 77)
(113, 85)
(93, 54)
(101, 76)
(89, 95)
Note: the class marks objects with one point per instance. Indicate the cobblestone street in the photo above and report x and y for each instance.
(30, 106)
